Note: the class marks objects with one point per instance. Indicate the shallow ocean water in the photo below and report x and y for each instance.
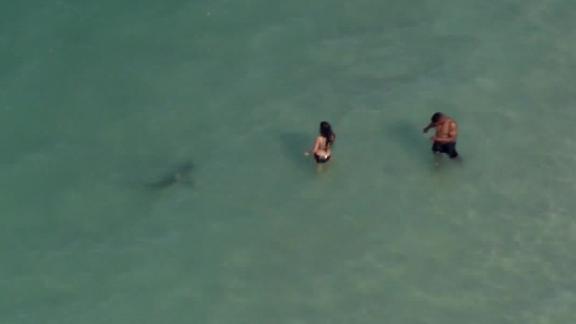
(153, 167)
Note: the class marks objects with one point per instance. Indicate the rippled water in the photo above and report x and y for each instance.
(152, 167)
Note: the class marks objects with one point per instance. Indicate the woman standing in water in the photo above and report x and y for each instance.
(323, 146)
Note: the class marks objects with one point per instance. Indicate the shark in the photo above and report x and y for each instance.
(179, 175)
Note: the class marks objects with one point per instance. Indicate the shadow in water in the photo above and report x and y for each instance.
(409, 136)
(179, 175)
(294, 145)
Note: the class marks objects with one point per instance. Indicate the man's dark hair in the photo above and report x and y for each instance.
(436, 117)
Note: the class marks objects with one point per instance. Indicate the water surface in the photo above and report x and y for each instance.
(152, 162)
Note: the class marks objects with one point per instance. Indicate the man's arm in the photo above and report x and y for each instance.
(453, 133)
(427, 128)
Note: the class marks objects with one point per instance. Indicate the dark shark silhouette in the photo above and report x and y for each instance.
(180, 175)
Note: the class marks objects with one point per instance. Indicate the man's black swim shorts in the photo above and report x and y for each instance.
(447, 148)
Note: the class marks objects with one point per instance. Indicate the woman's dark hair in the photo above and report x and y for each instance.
(327, 133)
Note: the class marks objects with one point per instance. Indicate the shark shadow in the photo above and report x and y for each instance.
(179, 175)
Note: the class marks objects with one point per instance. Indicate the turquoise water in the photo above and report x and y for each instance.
(152, 167)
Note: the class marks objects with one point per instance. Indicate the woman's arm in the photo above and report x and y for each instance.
(315, 148)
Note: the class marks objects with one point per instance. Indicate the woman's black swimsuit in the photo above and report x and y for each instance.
(321, 159)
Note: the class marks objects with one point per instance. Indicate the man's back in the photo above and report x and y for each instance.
(446, 130)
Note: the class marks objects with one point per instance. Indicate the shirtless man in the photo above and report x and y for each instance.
(446, 133)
